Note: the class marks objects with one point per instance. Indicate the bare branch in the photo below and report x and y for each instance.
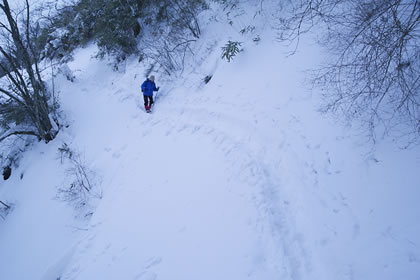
(18, 133)
(374, 73)
(4, 204)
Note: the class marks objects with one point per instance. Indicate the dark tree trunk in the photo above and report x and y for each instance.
(35, 99)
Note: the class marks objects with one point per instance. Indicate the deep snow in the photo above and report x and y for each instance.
(241, 178)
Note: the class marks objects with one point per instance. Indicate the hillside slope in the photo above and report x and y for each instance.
(240, 178)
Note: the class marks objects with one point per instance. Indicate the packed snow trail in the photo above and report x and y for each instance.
(193, 187)
(230, 181)
(182, 200)
(170, 214)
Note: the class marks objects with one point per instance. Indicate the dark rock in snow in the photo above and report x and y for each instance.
(208, 78)
(7, 171)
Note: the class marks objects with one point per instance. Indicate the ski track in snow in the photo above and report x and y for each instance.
(245, 151)
(248, 151)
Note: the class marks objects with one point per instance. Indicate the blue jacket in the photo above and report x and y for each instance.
(148, 87)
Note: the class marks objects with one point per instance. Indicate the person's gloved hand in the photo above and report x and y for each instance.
(158, 88)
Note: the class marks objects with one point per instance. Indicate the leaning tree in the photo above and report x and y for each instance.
(25, 103)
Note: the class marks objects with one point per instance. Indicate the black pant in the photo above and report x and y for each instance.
(148, 100)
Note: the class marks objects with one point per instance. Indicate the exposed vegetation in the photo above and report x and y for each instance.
(25, 103)
(119, 28)
(82, 186)
(374, 76)
(230, 50)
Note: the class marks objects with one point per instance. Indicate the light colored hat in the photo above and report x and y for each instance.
(152, 78)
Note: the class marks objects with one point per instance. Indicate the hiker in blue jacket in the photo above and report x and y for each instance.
(148, 87)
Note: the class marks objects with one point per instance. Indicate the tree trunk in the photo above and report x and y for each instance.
(36, 102)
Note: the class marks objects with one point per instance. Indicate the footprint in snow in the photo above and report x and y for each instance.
(412, 258)
(146, 275)
(356, 230)
(152, 262)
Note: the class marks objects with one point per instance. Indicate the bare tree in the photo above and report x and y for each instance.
(187, 16)
(83, 182)
(375, 72)
(175, 28)
(24, 99)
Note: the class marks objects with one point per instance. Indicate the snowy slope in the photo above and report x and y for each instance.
(237, 179)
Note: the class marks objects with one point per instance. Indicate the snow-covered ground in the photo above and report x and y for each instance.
(240, 178)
